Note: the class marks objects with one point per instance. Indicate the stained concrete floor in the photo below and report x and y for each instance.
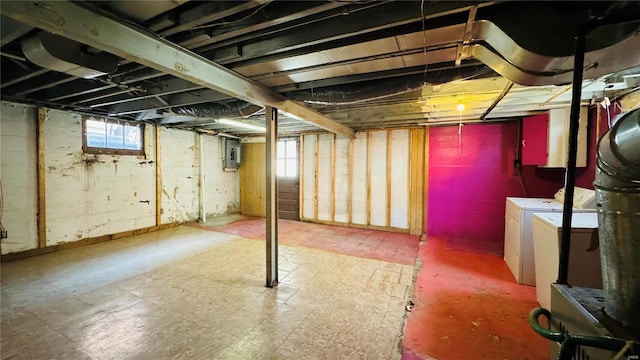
(186, 293)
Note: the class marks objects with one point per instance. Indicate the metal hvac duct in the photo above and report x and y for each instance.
(58, 53)
(216, 110)
(617, 186)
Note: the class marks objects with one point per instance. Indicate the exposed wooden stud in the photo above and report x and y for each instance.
(417, 184)
(350, 190)
(42, 203)
(368, 175)
(301, 175)
(424, 214)
(333, 178)
(359, 226)
(158, 177)
(388, 221)
(315, 177)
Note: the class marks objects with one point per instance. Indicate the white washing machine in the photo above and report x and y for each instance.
(518, 237)
(584, 254)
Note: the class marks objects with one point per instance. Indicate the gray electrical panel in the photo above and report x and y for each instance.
(232, 153)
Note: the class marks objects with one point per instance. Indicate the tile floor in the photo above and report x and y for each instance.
(186, 293)
(194, 292)
(468, 306)
(381, 245)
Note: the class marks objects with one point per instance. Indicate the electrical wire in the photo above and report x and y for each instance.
(224, 23)
(424, 41)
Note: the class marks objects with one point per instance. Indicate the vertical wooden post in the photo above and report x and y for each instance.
(158, 177)
(203, 209)
(301, 175)
(350, 190)
(315, 177)
(417, 180)
(369, 160)
(389, 155)
(333, 178)
(42, 208)
(272, 196)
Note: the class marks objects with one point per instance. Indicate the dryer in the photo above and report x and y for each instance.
(518, 237)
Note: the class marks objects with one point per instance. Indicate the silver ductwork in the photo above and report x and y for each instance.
(61, 54)
(617, 186)
(216, 110)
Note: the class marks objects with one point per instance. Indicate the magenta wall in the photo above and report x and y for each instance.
(467, 189)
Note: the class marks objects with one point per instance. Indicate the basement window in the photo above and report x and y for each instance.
(111, 136)
(287, 158)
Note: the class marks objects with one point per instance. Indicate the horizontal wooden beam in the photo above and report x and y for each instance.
(113, 35)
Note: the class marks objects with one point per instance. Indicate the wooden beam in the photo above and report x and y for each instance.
(416, 186)
(315, 178)
(158, 176)
(369, 152)
(117, 37)
(388, 220)
(42, 175)
(333, 178)
(350, 190)
(301, 175)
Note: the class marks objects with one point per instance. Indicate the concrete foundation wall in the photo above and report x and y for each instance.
(90, 195)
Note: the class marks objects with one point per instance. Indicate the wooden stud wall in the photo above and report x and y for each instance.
(252, 180)
(381, 173)
(158, 177)
(417, 180)
(42, 208)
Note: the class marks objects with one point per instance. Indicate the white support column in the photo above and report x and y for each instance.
(271, 196)
(203, 208)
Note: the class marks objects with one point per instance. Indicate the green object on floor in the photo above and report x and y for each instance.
(568, 342)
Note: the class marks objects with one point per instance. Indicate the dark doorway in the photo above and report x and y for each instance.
(287, 170)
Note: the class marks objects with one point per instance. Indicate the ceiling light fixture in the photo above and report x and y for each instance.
(242, 125)
(460, 107)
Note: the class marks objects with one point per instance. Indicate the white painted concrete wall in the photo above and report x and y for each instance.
(388, 169)
(18, 159)
(221, 189)
(180, 175)
(91, 195)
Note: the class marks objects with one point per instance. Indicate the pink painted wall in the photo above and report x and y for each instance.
(467, 188)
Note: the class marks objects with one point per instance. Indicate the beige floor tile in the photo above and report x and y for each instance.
(184, 293)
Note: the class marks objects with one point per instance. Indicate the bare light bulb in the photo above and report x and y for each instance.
(460, 107)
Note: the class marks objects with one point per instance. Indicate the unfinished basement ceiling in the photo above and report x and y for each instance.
(328, 65)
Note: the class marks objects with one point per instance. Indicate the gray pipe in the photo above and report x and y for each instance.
(618, 194)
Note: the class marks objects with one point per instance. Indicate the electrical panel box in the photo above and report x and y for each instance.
(232, 154)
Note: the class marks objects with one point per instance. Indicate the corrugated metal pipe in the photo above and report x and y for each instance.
(218, 110)
(618, 194)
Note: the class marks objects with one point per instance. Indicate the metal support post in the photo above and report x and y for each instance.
(271, 196)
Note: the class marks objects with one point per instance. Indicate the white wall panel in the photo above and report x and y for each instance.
(308, 173)
(399, 178)
(18, 164)
(90, 195)
(325, 144)
(359, 172)
(378, 178)
(180, 175)
(341, 177)
(222, 189)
